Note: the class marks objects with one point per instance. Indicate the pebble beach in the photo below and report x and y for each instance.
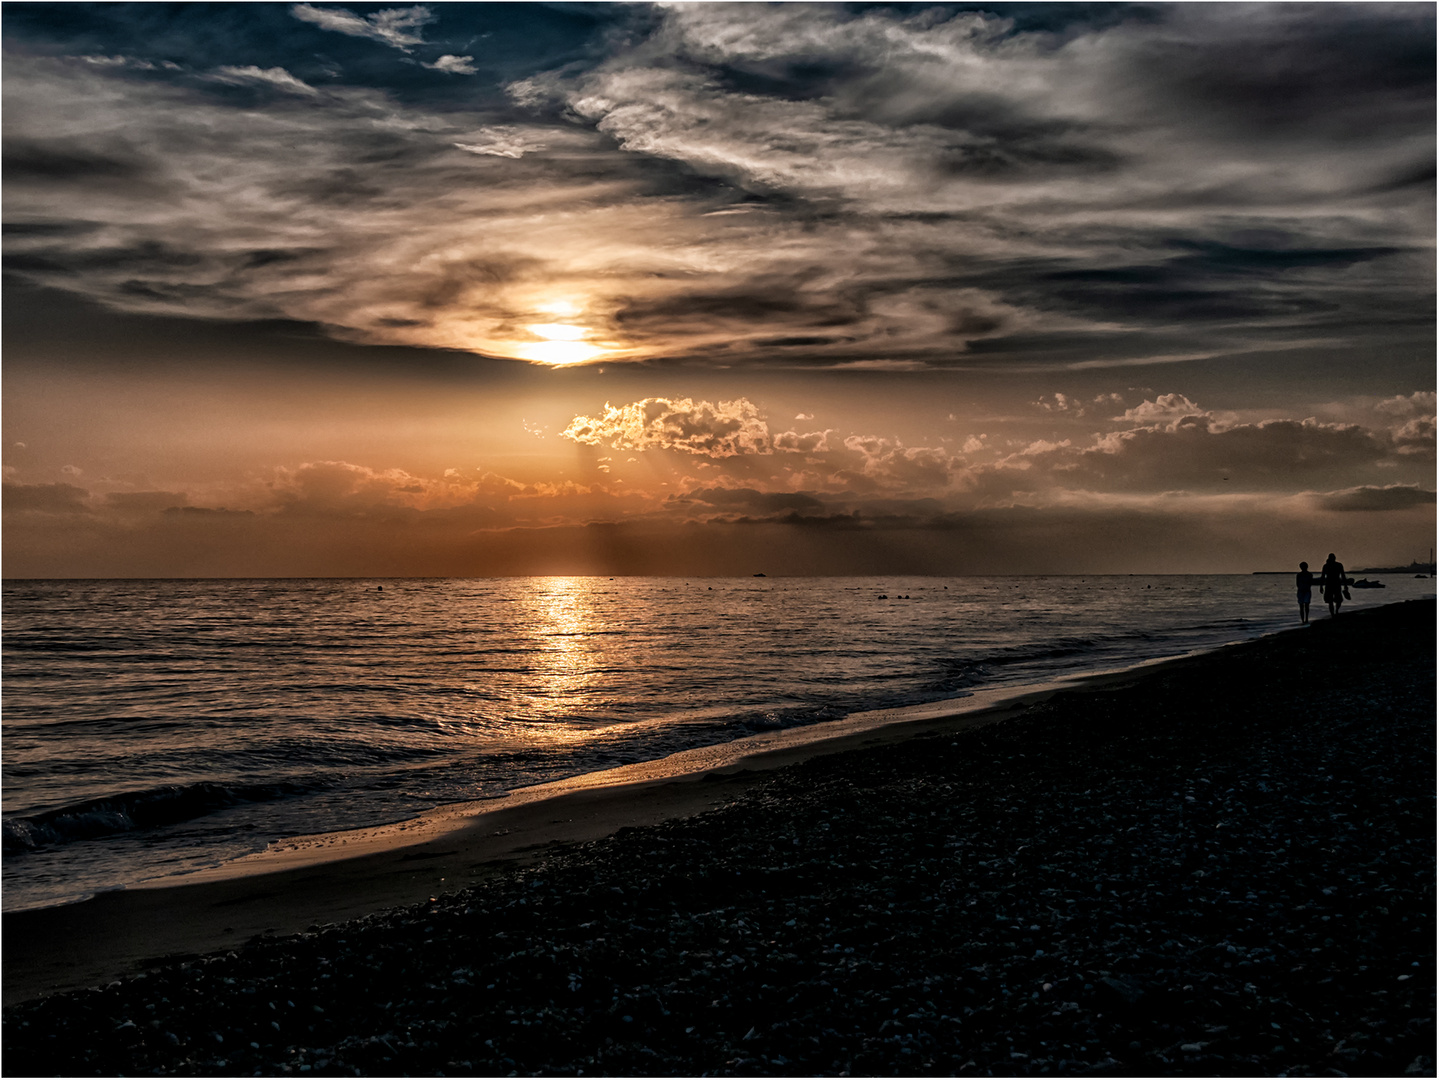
(1223, 866)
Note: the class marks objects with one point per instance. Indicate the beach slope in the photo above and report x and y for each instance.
(1223, 866)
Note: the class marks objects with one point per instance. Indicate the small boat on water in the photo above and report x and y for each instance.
(1365, 583)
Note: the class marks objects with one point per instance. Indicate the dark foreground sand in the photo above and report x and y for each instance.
(1224, 867)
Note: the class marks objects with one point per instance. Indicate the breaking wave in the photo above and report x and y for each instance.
(133, 810)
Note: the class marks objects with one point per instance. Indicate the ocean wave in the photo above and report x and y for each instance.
(1055, 654)
(133, 810)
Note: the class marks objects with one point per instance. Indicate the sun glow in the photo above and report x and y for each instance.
(564, 342)
(557, 331)
(558, 352)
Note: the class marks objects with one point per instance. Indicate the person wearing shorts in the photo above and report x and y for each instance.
(1304, 582)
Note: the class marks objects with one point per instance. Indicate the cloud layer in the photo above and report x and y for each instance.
(1165, 484)
(472, 288)
(1183, 180)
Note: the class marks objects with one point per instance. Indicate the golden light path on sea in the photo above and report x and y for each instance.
(568, 618)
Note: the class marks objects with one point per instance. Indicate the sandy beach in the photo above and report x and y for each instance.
(1218, 866)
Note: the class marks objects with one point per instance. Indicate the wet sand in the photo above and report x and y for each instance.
(1210, 867)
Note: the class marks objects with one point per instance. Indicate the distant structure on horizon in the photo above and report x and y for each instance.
(1416, 567)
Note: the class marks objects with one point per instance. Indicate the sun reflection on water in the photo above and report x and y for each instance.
(569, 661)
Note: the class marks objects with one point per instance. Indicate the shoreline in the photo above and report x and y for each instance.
(330, 878)
(326, 878)
(1198, 871)
(755, 752)
(39, 883)
(758, 752)
(334, 877)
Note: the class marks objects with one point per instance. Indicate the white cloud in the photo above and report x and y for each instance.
(1371, 497)
(276, 76)
(121, 61)
(1416, 436)
(1063, 403)
(1419, 403)
(502, 141)
(890, 462)
(725, 429)
(453, 65)
(812, 442)
(1165, 409)
(391, 26)
(344, 486)
(1413, 426)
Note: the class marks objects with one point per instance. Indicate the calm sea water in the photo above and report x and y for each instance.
(155, 727)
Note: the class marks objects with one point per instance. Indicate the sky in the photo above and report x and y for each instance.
(310, 289)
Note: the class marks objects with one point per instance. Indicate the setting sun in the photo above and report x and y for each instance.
(558, 331)
(558, 352)
(563, 342)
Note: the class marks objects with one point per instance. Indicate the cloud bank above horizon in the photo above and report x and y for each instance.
(1163, 467)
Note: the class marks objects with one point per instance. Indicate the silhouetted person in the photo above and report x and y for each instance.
(1332, 578)
(1304, 582)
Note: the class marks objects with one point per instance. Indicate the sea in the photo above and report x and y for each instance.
(155, 728)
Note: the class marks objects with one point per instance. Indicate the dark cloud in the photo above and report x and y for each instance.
(147, 257)
(754, 306)
(1196, 453)
(796, 342)
(1075, 541)
(1208, 257)
(48, 228)
(1420, 174)
(1214, 281)
(206, 512)
(748, 501)
(145, 502)
(1323, 74)
(724, 182)
(46, 499)
(260, 257)
(1392, 497)
(61, 161)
